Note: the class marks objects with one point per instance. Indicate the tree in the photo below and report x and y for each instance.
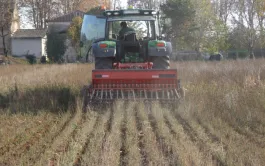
(74, 32)
(98, 10)
(6, 16)
(211, 34)
(55, 46)
(67, 6)
(86, 5)
(145, 4)
(38, 11)
(177, 20)
(245, 16)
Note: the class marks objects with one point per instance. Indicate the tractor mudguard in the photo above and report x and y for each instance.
(169, 48)
(104, 49)
(159, 48)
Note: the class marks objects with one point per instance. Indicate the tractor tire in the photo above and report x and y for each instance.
(161, 62)
(103, 63)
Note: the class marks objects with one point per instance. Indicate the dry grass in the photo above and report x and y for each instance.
(221, 121)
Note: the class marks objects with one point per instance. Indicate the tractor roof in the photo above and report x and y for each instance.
(130, 12)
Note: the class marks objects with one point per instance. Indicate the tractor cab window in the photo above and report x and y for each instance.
(143, 29)
(93, 28)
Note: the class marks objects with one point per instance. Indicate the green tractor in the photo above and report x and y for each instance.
(111, 44)
(132, 61)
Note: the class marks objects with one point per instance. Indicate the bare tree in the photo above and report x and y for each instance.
(86, 5)
(6, 15)
(245, 16)
(38, 11)
(223, 9)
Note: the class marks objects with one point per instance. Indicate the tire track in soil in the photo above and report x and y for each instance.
(166, 149)
(141, 145)
(123, 129)
(59, 145)
(196, 139)
(78, 159)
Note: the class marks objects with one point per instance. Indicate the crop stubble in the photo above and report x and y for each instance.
(131, 133)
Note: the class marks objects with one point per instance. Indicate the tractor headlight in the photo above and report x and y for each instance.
(131, 12)
(108, 13)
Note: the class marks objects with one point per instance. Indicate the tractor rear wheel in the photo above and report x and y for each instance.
(103, 63)
(161, 62)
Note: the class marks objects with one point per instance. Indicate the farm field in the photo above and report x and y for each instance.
(221, 120)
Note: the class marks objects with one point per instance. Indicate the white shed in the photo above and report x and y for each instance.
(29, 42)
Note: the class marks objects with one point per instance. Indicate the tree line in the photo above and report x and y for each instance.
(37, 12)
(199, 25)
(211, 25)
(215, 25)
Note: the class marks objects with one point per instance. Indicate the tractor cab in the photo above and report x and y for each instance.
(113, 44)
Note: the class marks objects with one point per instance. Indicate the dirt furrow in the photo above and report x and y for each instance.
(166, 149)
(84, 145)
(252, 154)
(249, 135)
(110, 154)
(202, 144)
(141, 145)
(132, 154)
(77, 141)
(108, 127)
(48, 141)
(123, 135)
(149, 149)
(92, 148)
(188, 152)
(61, 141)
(213, 137)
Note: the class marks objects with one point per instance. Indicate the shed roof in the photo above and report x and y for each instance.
(67, 17)
(29, 33)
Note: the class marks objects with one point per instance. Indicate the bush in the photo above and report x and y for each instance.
(55, 46)
(31, 59)
(43, 59)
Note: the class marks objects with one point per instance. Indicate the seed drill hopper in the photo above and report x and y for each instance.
(133, 66)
